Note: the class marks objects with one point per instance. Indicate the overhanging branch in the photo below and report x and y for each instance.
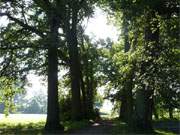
(24, 25)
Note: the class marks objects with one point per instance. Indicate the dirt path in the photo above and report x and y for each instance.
(99, 128)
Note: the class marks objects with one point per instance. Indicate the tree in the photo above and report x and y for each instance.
(39, 22)
(89, 58)
(30, 21)
(74, 12)
(145, 16)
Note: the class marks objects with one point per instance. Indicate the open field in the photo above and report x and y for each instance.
(22, 124)
(22, 118)
(32, 124)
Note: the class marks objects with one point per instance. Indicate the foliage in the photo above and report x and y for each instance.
(8, 90)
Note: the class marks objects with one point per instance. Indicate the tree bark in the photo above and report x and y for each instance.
(84, 97)
(90, 93)
(126, 110)
(143, 111)
(154, 109)
(71, 35)
(53, 119)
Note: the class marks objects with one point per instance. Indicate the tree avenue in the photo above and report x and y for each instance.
(47, 18)
(140, 72)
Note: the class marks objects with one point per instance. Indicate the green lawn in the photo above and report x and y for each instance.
(22, 124)
(31, 124)
(34, 124)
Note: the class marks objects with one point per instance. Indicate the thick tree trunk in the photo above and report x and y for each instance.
(75, 77)
(123, 107)
(143, 109)
(71, 33)
(53, 120)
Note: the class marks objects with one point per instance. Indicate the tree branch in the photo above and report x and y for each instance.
(24, 25)
(15, 47)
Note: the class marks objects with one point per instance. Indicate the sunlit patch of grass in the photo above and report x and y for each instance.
(32, 124)
(22, 118)
(162, 132)
(22, 124)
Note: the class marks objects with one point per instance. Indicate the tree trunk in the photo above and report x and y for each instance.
(90, 93)
(75, 77)
(84, 97)
(144, 101)
(126, 109)
(143, 111)
(170, 112)
(71, 33)
(154, 109)
(53, 120)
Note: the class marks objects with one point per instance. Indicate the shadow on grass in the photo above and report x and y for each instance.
(168, 125)
(38, 128)
(160, 128)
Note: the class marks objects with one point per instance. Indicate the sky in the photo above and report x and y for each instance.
(100, 28)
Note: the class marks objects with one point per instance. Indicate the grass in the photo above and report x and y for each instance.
(22, 124)
(70, 125)
(162, 132)
(122, 128)
(32, 124)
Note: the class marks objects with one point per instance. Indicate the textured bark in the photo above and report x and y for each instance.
(53, 120)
